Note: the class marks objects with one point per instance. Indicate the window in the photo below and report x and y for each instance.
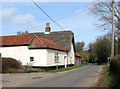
(56, 59)
(31, 58)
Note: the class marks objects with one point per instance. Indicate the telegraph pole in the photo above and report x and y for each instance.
(112, 46)
(119, 28)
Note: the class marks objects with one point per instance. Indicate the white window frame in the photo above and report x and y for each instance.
(56, 58)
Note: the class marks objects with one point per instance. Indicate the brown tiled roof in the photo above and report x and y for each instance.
(16, 40)
(78, 55)
(33, 41)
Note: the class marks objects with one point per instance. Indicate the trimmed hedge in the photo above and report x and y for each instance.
(10, 64)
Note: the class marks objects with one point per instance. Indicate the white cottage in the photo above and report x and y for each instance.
(48, 49)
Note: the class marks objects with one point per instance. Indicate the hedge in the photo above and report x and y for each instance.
(118, 63)
(9, 64)
(115, 64)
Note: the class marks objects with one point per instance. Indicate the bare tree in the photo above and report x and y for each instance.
(79, 46)
(103, 10)
(20, 33)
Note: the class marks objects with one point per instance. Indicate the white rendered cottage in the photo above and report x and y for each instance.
(46, 49)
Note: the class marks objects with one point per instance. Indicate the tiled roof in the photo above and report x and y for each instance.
(32, 40)
(16, 40)
(78, 55)
(41, 42)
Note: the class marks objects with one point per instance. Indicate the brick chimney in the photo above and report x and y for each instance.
(26, 32)
(47, 28)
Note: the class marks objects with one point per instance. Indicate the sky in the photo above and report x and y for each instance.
(74, 16)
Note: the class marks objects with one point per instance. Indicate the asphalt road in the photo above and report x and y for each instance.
(86, 76)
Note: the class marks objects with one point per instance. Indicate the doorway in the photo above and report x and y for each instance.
(65, 61)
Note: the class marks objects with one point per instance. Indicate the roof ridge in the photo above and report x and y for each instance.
(52, 32)
(31, 40)
(40, 40)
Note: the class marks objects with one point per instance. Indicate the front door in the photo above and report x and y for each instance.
(65, 61)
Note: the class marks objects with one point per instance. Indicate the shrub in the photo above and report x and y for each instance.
(113, 65)
(9, 64)
(118, 63)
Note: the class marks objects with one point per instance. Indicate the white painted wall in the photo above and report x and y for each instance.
(23, 54)
(51, 59)
(71, 55)
(42, 57)
(19, 53)
(51, 54)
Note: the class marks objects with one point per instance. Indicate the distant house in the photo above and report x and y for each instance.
(47, 49)
(77, 59)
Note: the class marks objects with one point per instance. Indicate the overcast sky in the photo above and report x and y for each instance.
(25, 16)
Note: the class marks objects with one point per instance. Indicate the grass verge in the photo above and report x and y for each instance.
(110, 79)
(37, 70)
(65, 69)
(41, 70)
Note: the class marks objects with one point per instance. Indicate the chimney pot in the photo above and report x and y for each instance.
(47, 24)
(26, 32)
(47, 28)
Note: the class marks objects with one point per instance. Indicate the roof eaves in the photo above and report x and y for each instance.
(13, 45)
(49, 48)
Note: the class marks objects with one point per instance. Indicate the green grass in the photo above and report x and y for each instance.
(41, 70)
(65, 69)
(110, 79)
(37, 70)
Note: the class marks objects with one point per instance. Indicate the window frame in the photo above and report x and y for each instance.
(32, 60)
(56, 58)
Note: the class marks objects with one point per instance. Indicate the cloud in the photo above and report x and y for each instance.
(22, 19)
(7, 15)
(7, 12)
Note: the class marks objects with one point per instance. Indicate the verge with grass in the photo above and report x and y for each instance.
(65, 69)
(110, 79)
(37, 70)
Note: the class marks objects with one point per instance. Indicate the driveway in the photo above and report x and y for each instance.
(85, 76)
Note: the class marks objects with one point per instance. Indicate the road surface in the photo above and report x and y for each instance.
(85, 76)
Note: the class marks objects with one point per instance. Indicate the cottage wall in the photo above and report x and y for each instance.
(19, 53)
(71, 55)
(51, 57)
(42, 57)
(23, 54)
